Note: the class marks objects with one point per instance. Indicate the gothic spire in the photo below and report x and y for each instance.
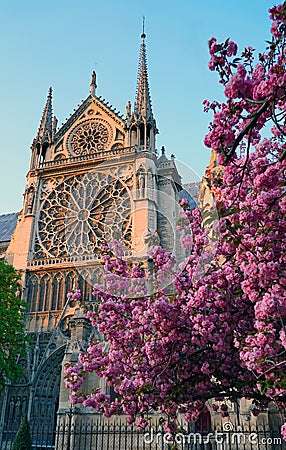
(143, 105)
(46, 125)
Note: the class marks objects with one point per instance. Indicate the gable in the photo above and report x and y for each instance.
(92, 128)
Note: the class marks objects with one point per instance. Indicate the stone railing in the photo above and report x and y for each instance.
(64, 260)
(93, 156)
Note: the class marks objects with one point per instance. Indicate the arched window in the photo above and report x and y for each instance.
(71, 282)
(142, 134)
(45, 293)
(32, 296)
(58, 294)
(134, 140)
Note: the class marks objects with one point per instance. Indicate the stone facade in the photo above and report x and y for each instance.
(96, 178)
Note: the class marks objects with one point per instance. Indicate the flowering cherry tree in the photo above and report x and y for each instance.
(219, 333)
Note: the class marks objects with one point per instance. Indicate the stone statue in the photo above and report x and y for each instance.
(30, 199)
(93, 85)
(18, 407)
(128, 109)
(24, 405)
(11, 407)
(141, 184)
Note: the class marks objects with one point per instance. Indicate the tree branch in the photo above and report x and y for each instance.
(251, 124)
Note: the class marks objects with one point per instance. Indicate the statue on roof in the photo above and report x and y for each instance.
(93, 85)
(128, 109)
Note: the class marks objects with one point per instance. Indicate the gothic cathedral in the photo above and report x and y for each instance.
(96, 178)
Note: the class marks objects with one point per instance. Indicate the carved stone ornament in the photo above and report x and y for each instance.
(64, 326)
(82, 213)
(89, 137)
(30, 198)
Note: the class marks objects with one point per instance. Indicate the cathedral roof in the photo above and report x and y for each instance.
(184, 193)
(8, 224)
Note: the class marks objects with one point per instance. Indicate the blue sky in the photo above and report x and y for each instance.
(59, 43)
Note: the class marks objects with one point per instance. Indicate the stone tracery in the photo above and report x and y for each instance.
(58, 283)
(89, 137)
(82, 213)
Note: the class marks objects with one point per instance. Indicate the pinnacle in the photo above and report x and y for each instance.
(143, 104)
(46, 124)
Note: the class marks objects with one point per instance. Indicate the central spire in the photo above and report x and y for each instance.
(141, 124)
(143, 105)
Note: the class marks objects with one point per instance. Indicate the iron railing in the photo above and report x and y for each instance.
(117, 435)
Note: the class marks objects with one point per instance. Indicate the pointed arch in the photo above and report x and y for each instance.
(33, 292)
(85, 286)
(150, 184)
(88, 278)
(71, 281)
(45, 293)
(58, 293)
(141, 182)
(46, 389)
(142, 142)
(133, 135)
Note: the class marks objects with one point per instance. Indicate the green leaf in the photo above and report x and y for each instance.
(13, 339)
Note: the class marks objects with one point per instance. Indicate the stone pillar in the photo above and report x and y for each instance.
(144, 213)
(68, 415)
(80, 329)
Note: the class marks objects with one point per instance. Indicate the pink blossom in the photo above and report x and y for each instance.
(232, 48)
(218, 327)
(283, 431)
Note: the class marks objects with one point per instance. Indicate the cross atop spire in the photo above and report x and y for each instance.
(143, 35)
(46, 125)
(143, 105)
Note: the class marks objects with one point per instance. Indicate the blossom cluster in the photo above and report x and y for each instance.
(75, 294)
(217, 330)
(254, 94)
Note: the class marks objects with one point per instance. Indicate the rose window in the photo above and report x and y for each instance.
(81, 214)
(88, 138)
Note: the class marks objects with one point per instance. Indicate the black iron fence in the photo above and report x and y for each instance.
(109, 435)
